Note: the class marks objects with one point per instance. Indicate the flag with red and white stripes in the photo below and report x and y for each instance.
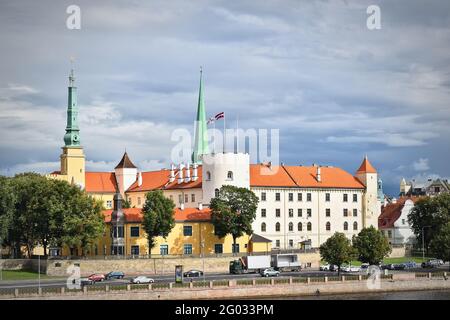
(218, 116)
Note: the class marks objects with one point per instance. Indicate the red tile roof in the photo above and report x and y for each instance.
(188, 214)
(392, 212)
(104, 182)
(366, 167)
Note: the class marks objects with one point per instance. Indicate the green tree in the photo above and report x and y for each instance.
(371, 246)
(159, 218)
(337, 250)
(233, 212)
(440, 244)
(428, 215)
(7, 204)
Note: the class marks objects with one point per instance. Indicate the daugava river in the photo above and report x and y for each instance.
(404, 295)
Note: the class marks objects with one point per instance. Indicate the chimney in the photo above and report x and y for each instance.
(139, 179)
(182, 206)
(180, 173)
(194, 172)
(188, 173)
(319, 176)
(200, 206)
(172, 173)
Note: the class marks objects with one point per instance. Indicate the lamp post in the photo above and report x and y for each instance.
(423, 242)
(203, 258)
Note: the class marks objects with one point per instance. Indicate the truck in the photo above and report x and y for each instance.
(285, 262)
(250, 264)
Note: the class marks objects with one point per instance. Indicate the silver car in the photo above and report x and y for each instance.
(270, 272)
(142, 279)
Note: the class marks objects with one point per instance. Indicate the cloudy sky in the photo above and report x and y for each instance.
(334, 88)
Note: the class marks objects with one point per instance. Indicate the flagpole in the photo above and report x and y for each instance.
(237, 134)
(214, 136)
(224, 133)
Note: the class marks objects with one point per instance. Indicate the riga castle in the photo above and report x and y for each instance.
(300, 207)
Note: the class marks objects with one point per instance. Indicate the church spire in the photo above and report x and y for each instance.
(201, 135)
(72, 136)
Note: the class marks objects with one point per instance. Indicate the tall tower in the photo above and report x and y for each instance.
(371, 206)
(72, 157)
(201, 134)
(126, 174)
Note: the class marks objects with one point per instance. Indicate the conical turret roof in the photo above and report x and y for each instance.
(366, 167)
(125, 162)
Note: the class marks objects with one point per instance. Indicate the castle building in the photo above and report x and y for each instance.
(299, 207)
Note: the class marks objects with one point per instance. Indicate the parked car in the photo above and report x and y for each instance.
(142, 279)
(346, 268)
(97, 277)
(83, 281)
(431, 263)
(270, 272)
(399, 266)
(410, 265)
(114, 275)
(389, 266)
(441, 262)
(325, 267)
(193, 273)
(334, 267)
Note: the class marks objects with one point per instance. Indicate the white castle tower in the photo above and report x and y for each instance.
(371, 205)
(126, 174)
(224, 169)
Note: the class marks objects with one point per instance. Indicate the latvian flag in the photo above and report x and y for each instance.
(216, 117)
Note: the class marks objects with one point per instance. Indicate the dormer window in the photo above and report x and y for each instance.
(208, 175)
(230, 175)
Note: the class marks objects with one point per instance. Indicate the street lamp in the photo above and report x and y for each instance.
(203, 258)
(423, 242)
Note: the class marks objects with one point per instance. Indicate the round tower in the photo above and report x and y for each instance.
(224, 169)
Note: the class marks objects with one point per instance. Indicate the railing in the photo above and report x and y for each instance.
(195, 285)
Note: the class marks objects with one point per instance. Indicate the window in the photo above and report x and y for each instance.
(187, 249)
(187, 231)
(277, 226)
(308, 197)
(171, 197)
(309, 213)
(291, 226)
(208, 175)
(291, 243)
(355, 225)
(355, 197)
(139, 201)
(263, 196)
(135, 250)
(328, 226)
(328, 212)
(277, 213)
(277, 196)
(437, 189)
(299, 196)
(235, 248)
(355, 212)
(180, 198)
(193, 197)
(345, 197)
(327, 197)
(390, 234)
(263, 227)
(309, 226)
(299, 213)
(291, 213)
(129, 201)
(109, 204)
(299, 226)
(118, 229)
(345, 212)
(345, 226)
(230, 175)
(277, 243)
(218, 248)
(164, 249)
(216, 193)
(134, 231)
(186, 198)
(291, 197)
(403, 221)
(263, 213)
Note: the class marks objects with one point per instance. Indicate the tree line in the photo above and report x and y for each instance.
(36, 211)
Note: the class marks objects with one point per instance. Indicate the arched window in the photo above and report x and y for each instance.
(291, 226)
(216, 193)
(328, 226)
(263, 227)
(345, 226)
(208, 175)
(309, 226)
(300, 226)
(277, 226)
(355, 225)
(230, 175)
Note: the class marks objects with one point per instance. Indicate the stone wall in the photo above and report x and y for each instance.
(24, 264)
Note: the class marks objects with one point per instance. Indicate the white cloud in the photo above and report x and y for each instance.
(421, 165)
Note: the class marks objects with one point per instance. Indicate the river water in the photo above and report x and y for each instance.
(404, 295)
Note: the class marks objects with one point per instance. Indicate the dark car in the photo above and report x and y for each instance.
(114, 275)
(193, 273)
(399, 266)
(432, 263)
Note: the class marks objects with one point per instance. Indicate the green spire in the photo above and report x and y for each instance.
(72, 136)
(201, 134)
